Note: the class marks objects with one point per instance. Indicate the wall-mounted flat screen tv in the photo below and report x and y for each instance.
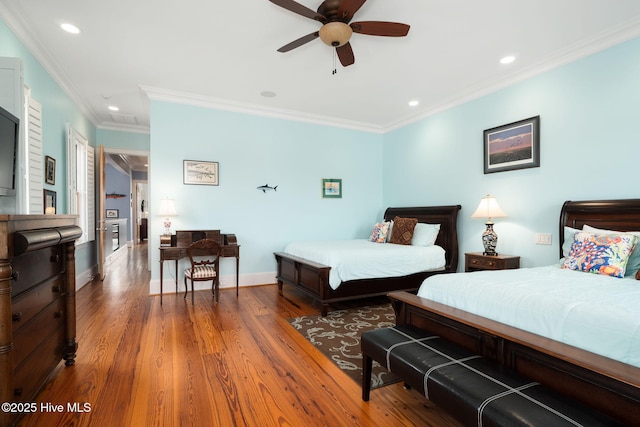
(9, 131)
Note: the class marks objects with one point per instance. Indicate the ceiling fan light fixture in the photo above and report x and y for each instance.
(335, 34)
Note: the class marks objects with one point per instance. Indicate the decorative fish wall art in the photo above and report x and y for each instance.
(266, 188)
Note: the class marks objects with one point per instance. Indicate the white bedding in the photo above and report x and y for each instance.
(362, 259)
(597, 313)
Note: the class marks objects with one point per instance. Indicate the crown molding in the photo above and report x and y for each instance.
(167, 95)
(599, 42)
(17, 24)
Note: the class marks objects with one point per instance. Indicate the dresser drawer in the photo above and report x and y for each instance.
(39, 329)
(27, 305)
(484, 263)
(34, 267)
(474, 261)
(29, 376)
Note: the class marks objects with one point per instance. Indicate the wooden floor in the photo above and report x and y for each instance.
(235, 363)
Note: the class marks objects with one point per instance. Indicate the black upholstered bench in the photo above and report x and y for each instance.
(470, 387)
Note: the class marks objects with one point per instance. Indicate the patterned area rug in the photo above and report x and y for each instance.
(337, 336)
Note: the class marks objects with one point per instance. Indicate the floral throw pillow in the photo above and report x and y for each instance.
(379, 232)
(600, 253)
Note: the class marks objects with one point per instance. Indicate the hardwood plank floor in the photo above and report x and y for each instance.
(235, 363)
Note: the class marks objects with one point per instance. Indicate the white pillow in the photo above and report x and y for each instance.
(425, 234)
(568, 240)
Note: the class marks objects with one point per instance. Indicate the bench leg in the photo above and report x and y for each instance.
(367, 363)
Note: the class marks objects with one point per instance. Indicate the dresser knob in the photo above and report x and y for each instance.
(17, 391)
(58, 314)
(15, 276)
(55, 288)
(55, 258)
(17, 316)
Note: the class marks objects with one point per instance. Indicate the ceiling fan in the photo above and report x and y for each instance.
(336, 30)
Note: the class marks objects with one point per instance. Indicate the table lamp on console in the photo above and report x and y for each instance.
(167, 210)
(489, 209)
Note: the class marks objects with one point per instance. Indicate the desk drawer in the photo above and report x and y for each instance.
(168, 253)
(229, 250)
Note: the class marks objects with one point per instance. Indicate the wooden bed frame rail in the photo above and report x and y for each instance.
(610, 386)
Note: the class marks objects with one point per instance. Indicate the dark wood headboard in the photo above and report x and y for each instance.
(619, 215)
(446, 216)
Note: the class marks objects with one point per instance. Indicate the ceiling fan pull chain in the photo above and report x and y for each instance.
(335, 68)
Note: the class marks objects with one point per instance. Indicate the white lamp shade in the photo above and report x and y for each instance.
(167, 207)
(488, 208)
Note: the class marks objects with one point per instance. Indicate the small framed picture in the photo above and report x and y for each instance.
(112, 213)
(512, 146)
(200, 173)
(49, 170)
(49, 200)
(331, 188)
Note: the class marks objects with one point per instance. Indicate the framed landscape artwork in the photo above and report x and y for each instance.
(512, 146)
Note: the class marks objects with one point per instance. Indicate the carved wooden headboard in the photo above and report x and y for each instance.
(446, 216)
(619, 215)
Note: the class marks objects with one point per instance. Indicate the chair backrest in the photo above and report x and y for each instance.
(203, 252)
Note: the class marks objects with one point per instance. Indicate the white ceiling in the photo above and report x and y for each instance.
(223, 54)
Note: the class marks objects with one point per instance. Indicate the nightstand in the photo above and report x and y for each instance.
(476, 261)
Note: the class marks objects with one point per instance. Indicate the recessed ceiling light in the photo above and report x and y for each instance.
(508, 59)
(113, 108)
(70, 28)
(414, 103)
(268, 94)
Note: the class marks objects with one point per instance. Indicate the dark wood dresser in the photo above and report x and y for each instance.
(37, 303)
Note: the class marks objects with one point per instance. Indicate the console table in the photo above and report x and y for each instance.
(180, 242)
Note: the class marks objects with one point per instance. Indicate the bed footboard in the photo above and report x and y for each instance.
(607, 385)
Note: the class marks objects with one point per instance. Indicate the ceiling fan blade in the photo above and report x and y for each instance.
(348, 8)
(299, 42)
(296, 7)
(380, 28)
(345, 54)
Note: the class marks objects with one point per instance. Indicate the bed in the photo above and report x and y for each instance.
(582, 356)
(314, 277)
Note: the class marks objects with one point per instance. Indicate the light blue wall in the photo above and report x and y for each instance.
(115, 139)
(590, 148)
(253, 151)
(58, 111)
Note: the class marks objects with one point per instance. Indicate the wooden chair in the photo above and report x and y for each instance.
(203, 255)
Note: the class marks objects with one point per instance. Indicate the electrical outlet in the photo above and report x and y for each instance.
(543, 238)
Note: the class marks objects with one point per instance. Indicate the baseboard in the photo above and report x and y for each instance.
(228, 281)
(85, 277)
